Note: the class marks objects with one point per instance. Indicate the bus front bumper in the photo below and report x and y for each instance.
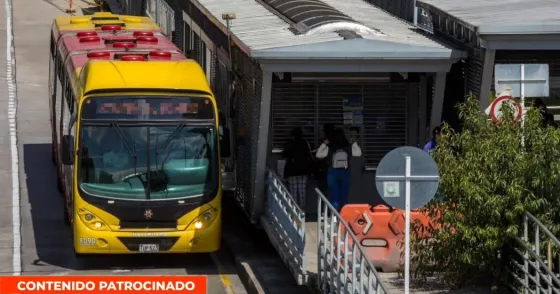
(88, 241)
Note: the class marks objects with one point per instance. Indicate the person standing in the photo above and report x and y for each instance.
(549, 121)
(299, 164)
(338, 151)
(431, 145)
(323, 165)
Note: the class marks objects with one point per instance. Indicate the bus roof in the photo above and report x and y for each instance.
(109, 41)
(109, 46)
(185, 75)
(98, 19)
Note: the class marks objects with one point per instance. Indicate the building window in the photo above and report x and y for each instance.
(203, 56)
(187, 33)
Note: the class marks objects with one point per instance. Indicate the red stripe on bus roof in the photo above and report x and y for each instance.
(72, 43)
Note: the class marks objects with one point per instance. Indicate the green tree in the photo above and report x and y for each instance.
(489, 178)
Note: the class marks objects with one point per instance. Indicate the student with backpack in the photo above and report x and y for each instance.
(338, 151)
(299, 164)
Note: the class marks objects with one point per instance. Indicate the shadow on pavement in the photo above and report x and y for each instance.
(53, 239)
(252, 247)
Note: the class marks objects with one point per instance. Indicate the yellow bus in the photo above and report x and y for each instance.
(100, 20)
(139, 155)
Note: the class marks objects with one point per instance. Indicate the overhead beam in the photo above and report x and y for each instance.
(330, 65)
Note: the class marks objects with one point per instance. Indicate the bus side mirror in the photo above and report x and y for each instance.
(225, 145)
(68, 149)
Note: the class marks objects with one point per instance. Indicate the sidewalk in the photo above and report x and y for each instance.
(6, 236)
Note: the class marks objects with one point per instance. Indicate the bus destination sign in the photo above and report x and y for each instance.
(147, 108)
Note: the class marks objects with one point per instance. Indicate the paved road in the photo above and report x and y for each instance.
(46, 242)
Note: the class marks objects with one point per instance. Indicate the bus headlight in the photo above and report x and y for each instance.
(204, 220)
(92, 221)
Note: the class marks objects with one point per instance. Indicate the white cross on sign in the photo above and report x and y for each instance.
(388, 183)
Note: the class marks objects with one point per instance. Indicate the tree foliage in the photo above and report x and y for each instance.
(490, 175)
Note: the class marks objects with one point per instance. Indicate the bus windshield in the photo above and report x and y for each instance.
(133, 161)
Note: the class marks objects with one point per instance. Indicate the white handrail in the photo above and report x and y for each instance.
(343, 265)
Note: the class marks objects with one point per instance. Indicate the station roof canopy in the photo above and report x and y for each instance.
(506, 24)
(349, 34)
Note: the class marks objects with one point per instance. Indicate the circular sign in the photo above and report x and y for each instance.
(495, 109)
(391, 177)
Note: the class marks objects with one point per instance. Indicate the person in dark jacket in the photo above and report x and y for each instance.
(543, 110)
(549, 121)
(299, 164)
(338, 152)
(322, 165)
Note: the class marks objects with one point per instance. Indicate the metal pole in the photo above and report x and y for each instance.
(526, 255)
(415, 11)
(229, 40)
(538, 252)
(522, 95)
(407, 228)
(228, 17)
(71, 7)
(549, 255)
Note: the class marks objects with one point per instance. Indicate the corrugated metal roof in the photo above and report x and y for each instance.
(482, 13)
(260, 29)
(395, 30)
(257, 27)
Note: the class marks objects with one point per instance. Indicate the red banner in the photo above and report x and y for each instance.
(103, 284)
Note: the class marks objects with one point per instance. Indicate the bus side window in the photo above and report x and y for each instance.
(61, 110)
(65, 106)
(60, 70)
(53, 78)
(72, 122)
(53, 46)
(70, 98)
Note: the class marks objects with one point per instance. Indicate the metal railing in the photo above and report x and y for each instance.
(343, 266)
(527, 269)
(284, 222)
(162, 14)
(131, 7)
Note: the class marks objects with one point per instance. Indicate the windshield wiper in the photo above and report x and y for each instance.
(115, 126)
(131, 151)
(170, 138)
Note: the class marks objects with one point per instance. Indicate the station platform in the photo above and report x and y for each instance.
(392, 281)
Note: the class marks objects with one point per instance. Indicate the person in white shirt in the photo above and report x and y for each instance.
(338, 151)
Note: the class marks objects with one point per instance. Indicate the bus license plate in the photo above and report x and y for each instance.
(149, 248)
